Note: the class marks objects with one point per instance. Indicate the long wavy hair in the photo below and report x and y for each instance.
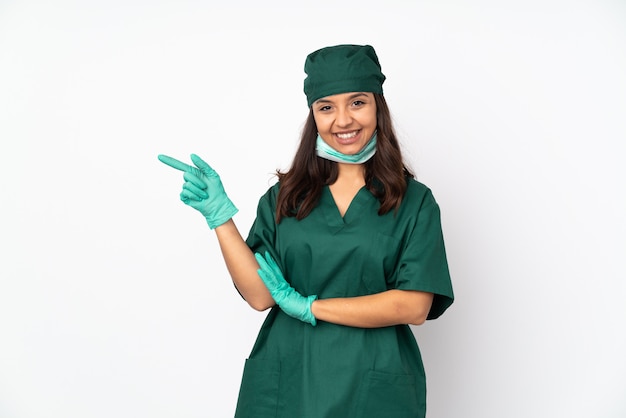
(385, 173)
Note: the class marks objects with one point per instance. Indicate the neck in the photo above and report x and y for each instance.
(351, 173)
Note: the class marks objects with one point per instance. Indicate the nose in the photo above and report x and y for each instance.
(344, 117)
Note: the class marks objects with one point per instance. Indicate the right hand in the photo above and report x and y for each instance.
(203, 190)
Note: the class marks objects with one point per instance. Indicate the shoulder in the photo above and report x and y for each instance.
(417, 192)
(418, 201)
(415, 186)
(271, 195)
(273, 189)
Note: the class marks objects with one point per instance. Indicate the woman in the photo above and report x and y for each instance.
(346, 249)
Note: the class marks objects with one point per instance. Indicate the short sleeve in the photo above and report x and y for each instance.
(423, 264)
(262, 235)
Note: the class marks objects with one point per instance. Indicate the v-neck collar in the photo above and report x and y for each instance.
(331, 211)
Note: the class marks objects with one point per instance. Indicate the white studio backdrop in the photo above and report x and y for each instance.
(114, 299)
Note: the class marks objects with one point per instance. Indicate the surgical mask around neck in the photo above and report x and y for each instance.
(326, 151)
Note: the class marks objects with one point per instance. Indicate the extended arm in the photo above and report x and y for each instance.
(204, 192)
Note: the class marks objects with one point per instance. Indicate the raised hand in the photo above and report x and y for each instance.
(285, 296)
(203, 190)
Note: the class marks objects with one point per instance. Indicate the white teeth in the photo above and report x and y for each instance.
(347, 136)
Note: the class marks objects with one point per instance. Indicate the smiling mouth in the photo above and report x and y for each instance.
(347, 135)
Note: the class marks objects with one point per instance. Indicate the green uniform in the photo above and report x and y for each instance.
(296, 370)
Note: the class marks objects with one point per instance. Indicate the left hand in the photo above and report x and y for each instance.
(285, 296)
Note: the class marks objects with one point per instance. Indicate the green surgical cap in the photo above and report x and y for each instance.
(342, 69)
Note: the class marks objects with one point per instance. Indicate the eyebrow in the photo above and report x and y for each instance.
(353, 96)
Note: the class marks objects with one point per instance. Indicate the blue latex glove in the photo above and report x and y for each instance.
(285, 296)
(203, 190)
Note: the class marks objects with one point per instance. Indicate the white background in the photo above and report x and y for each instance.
(114, 299)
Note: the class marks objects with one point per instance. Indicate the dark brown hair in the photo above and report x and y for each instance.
(385, 173)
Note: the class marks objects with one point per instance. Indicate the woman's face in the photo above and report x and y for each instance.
(346, 121)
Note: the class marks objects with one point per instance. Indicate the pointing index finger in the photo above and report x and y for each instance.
(174, 163)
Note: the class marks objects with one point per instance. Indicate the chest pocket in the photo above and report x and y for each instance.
(380, 262)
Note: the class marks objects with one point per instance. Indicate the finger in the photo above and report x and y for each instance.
(174, 163)
(270, 282)
(186, 196)
(195, 190)
(203, 166)
(262, 263)
(271, 263)
(192, 178)
(263, 275)
(270, 278)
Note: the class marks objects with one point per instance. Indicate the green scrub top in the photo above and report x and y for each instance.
(296, 370)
